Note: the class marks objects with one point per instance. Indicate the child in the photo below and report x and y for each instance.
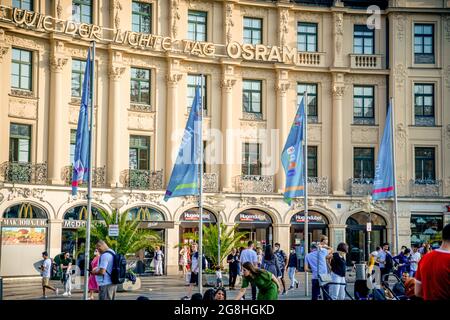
(219, 282)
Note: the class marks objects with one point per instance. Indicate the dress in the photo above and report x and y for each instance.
(93, 285)
(267, 289)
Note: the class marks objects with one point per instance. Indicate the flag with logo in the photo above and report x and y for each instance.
(185, 173)
(292, 157)
(81, 158)
(383, 185)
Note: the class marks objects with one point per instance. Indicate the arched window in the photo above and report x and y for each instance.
(25, 211)
(145, 214)
(80, 213)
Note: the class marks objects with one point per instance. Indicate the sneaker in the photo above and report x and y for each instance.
(65, 294)
(44, 297)
(291, 287)
(70, 294)
(56, 292)
(296, 284)
(283, 293)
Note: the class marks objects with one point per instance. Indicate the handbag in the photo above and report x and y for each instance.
(324, 278)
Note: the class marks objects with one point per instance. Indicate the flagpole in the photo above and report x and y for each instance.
(395, 209)
(305, 161)
(200, 236)
(89, 194)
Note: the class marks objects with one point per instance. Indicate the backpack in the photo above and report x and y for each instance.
(272, 266)
(389, 262)
(119, 269)
(281, 256)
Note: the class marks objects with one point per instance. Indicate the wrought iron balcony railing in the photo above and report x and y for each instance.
(254, 184)
(361, 186)
(98, 176)
(425, 188)
(24, 172)
(210, 182)
(318, 185)
(142, 179)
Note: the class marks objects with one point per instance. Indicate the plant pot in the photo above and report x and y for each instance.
(129, 286)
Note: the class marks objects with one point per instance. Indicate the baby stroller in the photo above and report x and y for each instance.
(398, 288)
(325, 284)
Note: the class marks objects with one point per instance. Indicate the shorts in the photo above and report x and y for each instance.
(45, 282)
(194, 278)
(282, 273)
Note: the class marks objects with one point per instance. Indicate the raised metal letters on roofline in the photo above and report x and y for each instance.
(88, 32)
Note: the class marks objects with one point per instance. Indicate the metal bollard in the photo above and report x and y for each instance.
(360, 271)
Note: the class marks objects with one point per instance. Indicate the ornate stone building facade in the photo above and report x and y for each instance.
(256, 58)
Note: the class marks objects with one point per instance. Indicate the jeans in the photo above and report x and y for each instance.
(315, 289)
(337, 292)
(67, 282)
(232, 279)
(291, 273)
(158, 267)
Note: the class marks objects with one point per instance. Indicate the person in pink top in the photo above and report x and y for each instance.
(93, 285)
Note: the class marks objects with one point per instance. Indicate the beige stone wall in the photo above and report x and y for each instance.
(52, 112)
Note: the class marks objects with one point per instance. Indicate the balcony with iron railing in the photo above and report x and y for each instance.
(360, 186)
(254, 184)
(24, 172)
(318, 186)
(210, 182)
(142, 179)
(98, 176)
(366, 61)
(425, 188)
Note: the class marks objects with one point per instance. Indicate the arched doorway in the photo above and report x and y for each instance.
(258, 224)
(24, 230)
(357, 235)
(317, 226)
(151, 218)
(189, 222)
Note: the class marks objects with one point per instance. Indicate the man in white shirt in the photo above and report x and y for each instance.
(46, 269)
(106, 289)
(414, 260)
(249, 255)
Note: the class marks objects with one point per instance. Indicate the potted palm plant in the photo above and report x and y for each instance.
(131, 239)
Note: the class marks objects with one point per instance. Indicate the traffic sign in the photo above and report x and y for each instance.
(369, 226)
(113, 230)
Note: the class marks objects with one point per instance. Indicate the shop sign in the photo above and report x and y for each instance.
(88, 32)
(194, 216)
(157, 225)
(253, 217)
(369, 227)
(311, 219)
(74, 224)
(25, 222)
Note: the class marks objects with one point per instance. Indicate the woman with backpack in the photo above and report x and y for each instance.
(338, 268)
(270, 262)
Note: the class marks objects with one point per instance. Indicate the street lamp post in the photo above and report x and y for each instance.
(117, 203)
(369, 208)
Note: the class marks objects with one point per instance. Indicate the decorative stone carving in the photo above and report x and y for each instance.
(24, 43)
(26, 193)
(189, 200)
(22, 108)
(339, 24)
(57, 63)
(282, 86)
(338, 91)
(175, 16)
(3, 52)
(400, 26)
(116, 72)
(401, 135)
(298, 204)
(254, 184)
(284, 19)
(365, 135)
(228, 84)
(173, 78)
(140, 107)
(140, 121)
(22, 93)
(144, 197)
(308, 17)
(2, 197)
(318, 186)
(253, 201)
(356, 204)
(229, 24)
(59, 9)
(81, 195)
(400, 75)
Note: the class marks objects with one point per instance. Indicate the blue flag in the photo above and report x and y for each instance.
(185, 173)
(383, 185)
(81, 158)
(292, 157)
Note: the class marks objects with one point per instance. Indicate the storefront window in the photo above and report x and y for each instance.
(258, 225)
(427, 229)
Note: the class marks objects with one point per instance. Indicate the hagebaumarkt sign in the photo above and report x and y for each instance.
(145, 41)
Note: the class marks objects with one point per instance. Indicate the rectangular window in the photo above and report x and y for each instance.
(363, 40)
(423, 43)
(312, 161)
(252, 30)
(193, 80)
(251, 96)
(363, 105)
(139, 156)
(23, 4)
(251, 162)
(141, 17)
(307, 37)
(19, 143)
(82, 11)
(73, 140)
(424, 104)
(78, 68)
(311, 90)
(425, 165)
(363, 163)
(140, 86)
(21, 69)
(427, 228)
(197, 25)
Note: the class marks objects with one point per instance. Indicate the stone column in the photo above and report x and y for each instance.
(57, 158)
(337, 234)
(54, 234)
(172, 238)
(337, 152)
(116, 120)
(281, 87)
(4, 67)
(228, 82)
(281, 235)
(338, 31)
(173, 77)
